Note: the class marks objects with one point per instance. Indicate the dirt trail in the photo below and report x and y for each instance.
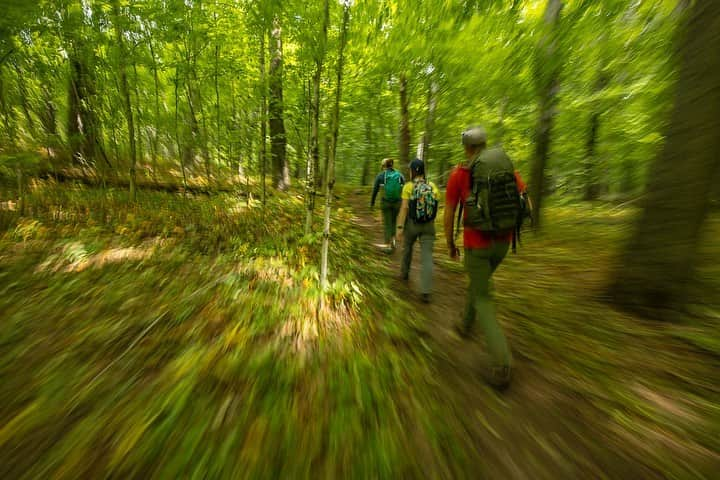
(534, 429)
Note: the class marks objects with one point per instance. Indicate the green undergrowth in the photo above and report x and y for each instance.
(180, 337)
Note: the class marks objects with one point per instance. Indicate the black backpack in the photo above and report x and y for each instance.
(494, 203)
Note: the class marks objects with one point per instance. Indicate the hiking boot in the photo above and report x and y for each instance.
(425, 297)
(499, 376)
(462, 332)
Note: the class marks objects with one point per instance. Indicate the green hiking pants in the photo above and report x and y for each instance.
(480, 264)
(390, 211)
(425, 233)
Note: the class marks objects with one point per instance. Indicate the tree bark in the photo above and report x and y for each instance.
(369, 152)
(278, 140)
(330, 175)
(156, 82)
(590, 167)
(404, 123)
(180, 146)
(263, 118)
(547, 73)
(659, 260)
(6, 111)
(429, 124)
(125, 92)
(314, 148)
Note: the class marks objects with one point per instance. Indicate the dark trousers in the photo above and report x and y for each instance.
(425, 233)
(390, 211)
(480, 264)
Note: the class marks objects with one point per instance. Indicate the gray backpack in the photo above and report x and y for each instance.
(494, 203)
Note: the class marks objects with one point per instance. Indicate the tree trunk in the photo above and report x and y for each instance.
(429, 125)
(314, 148)
(659, 260)
(155, 138)
(590, 167)
(547, 73)
(217, 105)
(369, 152)
(138, 118)
(180, 146)
(125, 92)
(404, 123)
(6, 111)
(330, 175)
(278, 140)
(263, 118)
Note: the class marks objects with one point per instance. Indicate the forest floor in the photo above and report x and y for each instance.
(591, 395)
(180, 337)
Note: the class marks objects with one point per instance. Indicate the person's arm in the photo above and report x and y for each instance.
(402, 215)
(376, 188)
(452, 196)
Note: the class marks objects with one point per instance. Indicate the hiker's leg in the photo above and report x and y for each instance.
(387, 213)
(427, 239)
(497, 254)
(479, 268)
(409, 237)
(395, 211)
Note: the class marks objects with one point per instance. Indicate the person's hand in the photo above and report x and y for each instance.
(399, 234)
(454, 252)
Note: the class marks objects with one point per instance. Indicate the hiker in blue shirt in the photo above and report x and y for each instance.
(392, 182)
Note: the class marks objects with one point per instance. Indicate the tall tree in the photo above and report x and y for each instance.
(262, 152)
(330, 172)
(125, 92)
(404, 121)
(278, 140)
(547, 72)
(658, 262)
(313, 159)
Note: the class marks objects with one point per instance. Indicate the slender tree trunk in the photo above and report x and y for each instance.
(278, 140)
(125, 92)
(156, 137)
(404, 123)
(180, 146)
(263, 118)
(314, 149)
(217, 105)
(369, 152)
(330, 176)
(429, 124)
(138, 118)
(6, 111)
(547, 73)
(659, 260)
(590, 167)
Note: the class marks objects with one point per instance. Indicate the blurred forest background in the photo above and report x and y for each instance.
(187, 287)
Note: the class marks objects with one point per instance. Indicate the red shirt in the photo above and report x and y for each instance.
(458, 189)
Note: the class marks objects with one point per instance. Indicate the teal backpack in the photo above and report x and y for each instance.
(393, 185)
(423, 204)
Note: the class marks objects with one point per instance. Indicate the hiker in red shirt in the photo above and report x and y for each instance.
(481, 185)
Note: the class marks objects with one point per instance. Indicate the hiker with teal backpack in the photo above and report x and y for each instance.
(491, 197)
(417, 222)
(392, 182)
